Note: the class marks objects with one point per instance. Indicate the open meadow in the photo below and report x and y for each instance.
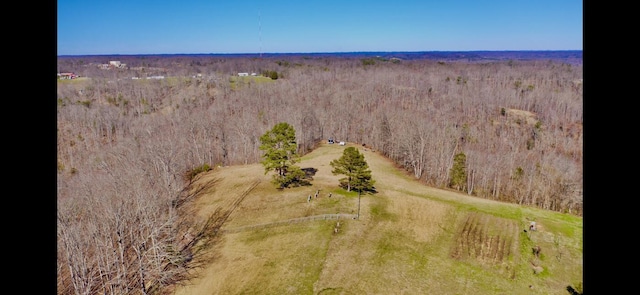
(409, 238)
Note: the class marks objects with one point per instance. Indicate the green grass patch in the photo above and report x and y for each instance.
(236, 81)
(78, 80)
(389, 247)
(292, 257)
(379, 210)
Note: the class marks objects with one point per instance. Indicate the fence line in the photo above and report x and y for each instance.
(291, 221)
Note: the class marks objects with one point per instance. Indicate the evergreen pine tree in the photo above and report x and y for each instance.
(458, 172)
(355, 168)
(280, 155)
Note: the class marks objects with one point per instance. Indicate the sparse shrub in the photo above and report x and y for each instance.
(62, 101)
(531, 143)
(368, 61)
(517, 84)
(517, 174)
(86, 103)
(271, 74)
(197, 170)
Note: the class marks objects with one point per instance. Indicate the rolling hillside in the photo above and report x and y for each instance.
(408, 239)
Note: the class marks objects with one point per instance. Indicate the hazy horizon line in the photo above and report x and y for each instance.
(322, 52)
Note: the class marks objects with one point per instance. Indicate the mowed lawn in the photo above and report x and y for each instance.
(409, 239)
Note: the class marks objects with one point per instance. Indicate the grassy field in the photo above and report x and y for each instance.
(236, 81)
(409, 239)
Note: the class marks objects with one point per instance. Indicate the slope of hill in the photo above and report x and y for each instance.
(408, 239)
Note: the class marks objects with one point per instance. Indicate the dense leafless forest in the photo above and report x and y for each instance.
(125, 145)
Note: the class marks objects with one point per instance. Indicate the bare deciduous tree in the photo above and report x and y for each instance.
(124, 145)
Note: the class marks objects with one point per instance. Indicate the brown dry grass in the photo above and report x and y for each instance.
(402, 243)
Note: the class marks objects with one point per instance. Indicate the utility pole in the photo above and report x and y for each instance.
(359, 191)
(260, 33)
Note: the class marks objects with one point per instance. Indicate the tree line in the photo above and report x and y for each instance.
(128, 149)
(519, 123)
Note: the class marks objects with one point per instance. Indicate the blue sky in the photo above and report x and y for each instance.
(198, 26)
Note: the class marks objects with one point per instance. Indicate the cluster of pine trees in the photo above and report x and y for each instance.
(280, 155)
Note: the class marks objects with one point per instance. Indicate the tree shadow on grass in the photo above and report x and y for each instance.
(573, 291)
(308, 176)
(309, 172)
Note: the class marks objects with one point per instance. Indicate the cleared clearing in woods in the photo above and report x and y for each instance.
(409, 239)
